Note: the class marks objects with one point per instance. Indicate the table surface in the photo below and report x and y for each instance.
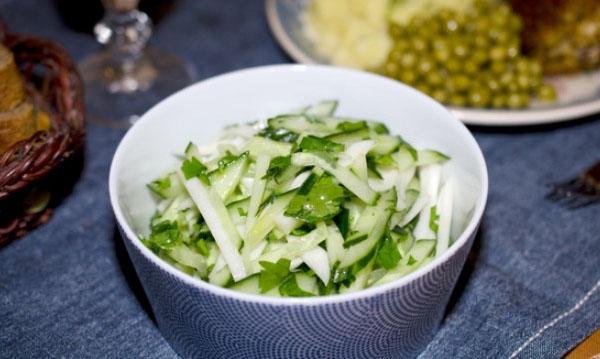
(69, 290)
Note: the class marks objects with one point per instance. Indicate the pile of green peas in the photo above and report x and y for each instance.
(467, 59)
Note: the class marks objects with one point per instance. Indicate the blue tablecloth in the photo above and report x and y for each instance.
(69, 290)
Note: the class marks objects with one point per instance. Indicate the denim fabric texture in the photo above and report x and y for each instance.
(69, 289)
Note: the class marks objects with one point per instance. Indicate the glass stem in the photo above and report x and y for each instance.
(125, 31)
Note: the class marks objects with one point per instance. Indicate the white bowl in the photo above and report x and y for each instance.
(198, 319)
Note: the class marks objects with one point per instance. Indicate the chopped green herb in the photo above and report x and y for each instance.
(317, 202)
(193, 168)
(290, 288)
(273, 274)
(372, 167)
(242, 212)
(312, 143)
(434, 219)
(277, 166)
(302, 230)
(388, 255)
(165, 235)
(279, 134)
(160, 186)
(202, 247)
(385, 160)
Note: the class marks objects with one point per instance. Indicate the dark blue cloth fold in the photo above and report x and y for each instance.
(68, 289)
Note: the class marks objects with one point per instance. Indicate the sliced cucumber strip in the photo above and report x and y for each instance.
(385, 208)
(221, 226)
(323, 108)
(354, 184)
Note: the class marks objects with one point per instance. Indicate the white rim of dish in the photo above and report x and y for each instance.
(478, 117)
(309, 301)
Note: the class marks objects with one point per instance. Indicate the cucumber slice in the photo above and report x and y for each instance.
(384, 209)
(258, 189)
(258, 146)
(188, 257)
(422, 249)
(430, 176)
(317, 259)
(238, 210)
(220, 277)
(323, 108)
(300, 124)
(362, 277)
(307, 283)
(386, 144)
(429, 157)
(405, 158)
(220, 224)
(348, 179)
(444, 206)
(266, 220)
(225, 180)
(250, 285)
(349, 137)
(334, 243)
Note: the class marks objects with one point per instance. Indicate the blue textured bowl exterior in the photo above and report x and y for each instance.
(396, 323)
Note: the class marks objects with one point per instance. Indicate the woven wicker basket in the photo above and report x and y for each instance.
(46, 162)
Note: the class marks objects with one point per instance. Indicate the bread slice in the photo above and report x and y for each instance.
(12, 92)
(16, 125)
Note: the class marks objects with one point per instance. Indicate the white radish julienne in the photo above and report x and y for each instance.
(444, 206)
(217, 219)
(430, 176)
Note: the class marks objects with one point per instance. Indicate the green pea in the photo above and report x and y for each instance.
(479, 56)
(479, 97)
(408, 77)
(391, 69)
(517, 100)
(498, 67)
(408, 59)
(453, 65)
(440, 95)
(425, 66)
(457, 100)
(461, 82)
(546, 93)
(471, 67)
(434, 79)
(499, 101)
(460, 50)
(418, 44)
(498, 53)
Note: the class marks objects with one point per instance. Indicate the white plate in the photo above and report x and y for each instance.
(578, 95)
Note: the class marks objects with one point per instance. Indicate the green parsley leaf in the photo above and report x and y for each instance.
(388, 255)
(434, 219)
(165, 235)
(193, 168)
(312, 143)
(277, 166)
(350, 126)
(273, 274)
(160, 186)
(317, 201)
(279, 134)
(290, 288)
(202, 247)
(242, 212)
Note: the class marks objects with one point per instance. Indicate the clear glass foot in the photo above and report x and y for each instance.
(126, 78)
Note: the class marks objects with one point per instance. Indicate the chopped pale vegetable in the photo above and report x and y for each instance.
(303, 204)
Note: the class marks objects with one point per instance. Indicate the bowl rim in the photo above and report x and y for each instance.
(197, 283)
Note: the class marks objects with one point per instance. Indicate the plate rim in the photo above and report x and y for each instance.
(476, 117)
